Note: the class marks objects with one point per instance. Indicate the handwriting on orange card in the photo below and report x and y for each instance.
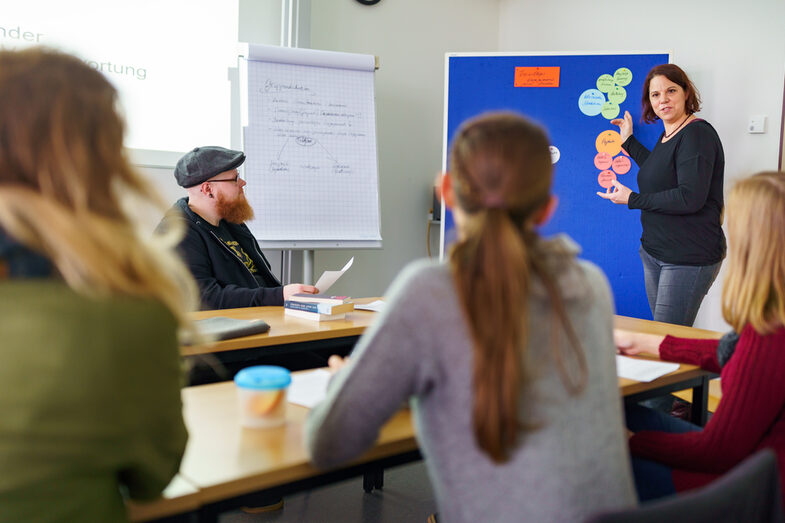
(537, 76)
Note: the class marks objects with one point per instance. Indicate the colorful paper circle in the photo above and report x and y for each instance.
(606, 179)
(617, 94)
(590, 102)
(610, 110)
(608, 142)
(622, 76)
(603, 161)
(555, 153)
(605, 83)
(621, 164)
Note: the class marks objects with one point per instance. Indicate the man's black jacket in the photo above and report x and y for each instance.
(224, 280)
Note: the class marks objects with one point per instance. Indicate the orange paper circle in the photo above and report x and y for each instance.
(608, 142)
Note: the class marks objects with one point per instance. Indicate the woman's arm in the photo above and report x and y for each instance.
(700, 352)
(633, 147)
(389, 365)
(694, 163)
(636, 150)
(745, 414)
(669, 348)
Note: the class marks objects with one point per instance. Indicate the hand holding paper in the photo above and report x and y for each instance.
(327, 278)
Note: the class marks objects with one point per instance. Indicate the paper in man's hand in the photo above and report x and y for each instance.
(327, 278)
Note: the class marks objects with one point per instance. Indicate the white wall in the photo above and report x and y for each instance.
(734, 53)
(410, 38)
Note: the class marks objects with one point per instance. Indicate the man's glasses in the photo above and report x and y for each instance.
(234, 180)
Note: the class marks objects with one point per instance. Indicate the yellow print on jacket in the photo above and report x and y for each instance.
(232, 244)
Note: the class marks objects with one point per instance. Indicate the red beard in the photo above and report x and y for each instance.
(234, 211)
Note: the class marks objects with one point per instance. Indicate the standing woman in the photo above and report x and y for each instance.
(518, 418)
(90, 412)
(680, 198)
(671, 455)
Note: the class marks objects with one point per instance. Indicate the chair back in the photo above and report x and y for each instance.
(749, 493)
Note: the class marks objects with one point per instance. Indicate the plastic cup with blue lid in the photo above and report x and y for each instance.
(261, 391)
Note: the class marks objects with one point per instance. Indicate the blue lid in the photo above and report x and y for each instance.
(263, 377)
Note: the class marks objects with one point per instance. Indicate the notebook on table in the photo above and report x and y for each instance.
(223, 328)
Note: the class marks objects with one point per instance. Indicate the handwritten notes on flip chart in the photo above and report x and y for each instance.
(310, 140)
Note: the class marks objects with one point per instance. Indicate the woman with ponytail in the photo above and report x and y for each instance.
(518, 417)
(90, 307)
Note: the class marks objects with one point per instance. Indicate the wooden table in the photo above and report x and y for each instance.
(180, 497)
(228, 462)
(286, 333)
(230, 466)
(687, 377)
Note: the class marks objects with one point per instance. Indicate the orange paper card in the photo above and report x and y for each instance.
(537, 77)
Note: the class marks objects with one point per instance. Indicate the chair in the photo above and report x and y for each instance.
(749, 493)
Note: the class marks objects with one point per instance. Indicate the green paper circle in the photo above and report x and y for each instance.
(605, 83)
(617, 95)
(622, 76)
(610, 110)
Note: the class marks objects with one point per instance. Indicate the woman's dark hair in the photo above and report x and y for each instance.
(674, 73)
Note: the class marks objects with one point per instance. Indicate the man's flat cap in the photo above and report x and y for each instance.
(203, 163)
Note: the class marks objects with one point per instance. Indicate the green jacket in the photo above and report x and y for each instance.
(90, 408)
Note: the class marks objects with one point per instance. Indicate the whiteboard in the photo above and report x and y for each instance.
(309, 134)
(566, 93)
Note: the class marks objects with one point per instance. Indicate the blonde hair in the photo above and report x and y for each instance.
(754, 290)
(62, 171)
(501, 171)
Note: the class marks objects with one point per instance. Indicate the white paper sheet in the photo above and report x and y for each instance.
(309, 388)
(375, 306)
(327, 278)
(642, 370)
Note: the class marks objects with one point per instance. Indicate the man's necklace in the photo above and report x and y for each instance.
(676, 129)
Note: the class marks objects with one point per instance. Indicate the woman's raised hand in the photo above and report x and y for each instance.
(625, 126)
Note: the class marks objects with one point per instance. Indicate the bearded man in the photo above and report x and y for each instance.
(218, 247)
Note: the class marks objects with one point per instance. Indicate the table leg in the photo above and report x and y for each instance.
(700, 402)
(368, 481)
(373, 478)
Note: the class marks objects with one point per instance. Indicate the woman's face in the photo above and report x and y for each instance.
(667, 99)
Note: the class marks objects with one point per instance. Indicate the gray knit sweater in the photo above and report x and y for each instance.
(575, 464)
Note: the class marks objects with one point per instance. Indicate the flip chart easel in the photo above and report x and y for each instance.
(309, 133)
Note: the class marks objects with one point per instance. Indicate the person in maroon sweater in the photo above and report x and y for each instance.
(671, 455)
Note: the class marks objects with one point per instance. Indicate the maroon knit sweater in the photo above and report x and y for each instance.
(750, 415)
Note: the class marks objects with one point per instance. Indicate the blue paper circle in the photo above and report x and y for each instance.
(591, 101)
